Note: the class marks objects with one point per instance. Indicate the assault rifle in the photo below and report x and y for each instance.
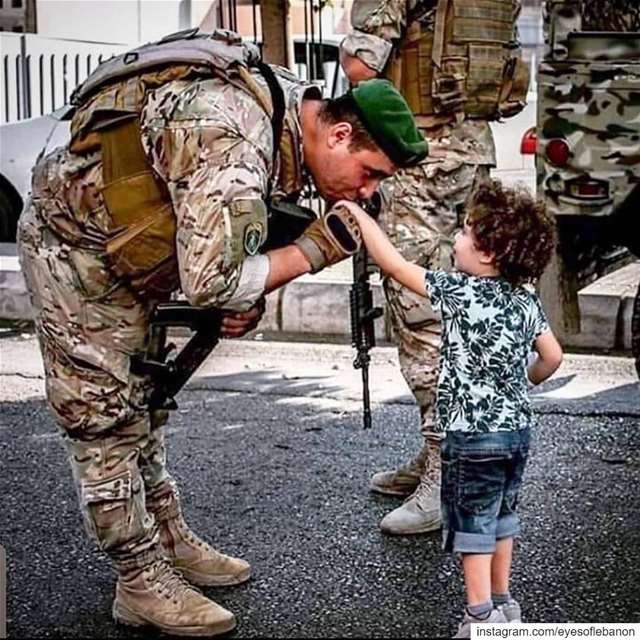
(364, 314)
(287, 221)
(170, 375)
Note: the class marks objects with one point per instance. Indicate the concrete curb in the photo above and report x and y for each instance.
(14, 298)
(319, 305)
(606, 307)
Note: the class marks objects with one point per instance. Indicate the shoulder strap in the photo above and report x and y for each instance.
(277, 100)
(218, 52)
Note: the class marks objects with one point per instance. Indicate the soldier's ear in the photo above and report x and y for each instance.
(339, 133)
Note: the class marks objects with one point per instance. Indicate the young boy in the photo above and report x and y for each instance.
(490, 324)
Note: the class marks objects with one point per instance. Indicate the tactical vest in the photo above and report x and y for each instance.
(467, 65)
(141, 245)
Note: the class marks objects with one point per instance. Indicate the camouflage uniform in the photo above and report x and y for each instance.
(211, 143)
(422, 208)
(611, 15)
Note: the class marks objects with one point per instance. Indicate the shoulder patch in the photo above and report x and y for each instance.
(253, 237)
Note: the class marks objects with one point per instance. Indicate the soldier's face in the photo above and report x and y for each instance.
(346, 174)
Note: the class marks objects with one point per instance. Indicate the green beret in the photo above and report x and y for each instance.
(387, 117)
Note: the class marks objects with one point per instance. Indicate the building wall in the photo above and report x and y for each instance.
(12, 15)
(124, 21)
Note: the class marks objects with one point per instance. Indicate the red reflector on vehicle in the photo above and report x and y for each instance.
(591, 189)
(557, 152)
(529, 142)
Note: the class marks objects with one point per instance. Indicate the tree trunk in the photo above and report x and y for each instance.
(275, 32)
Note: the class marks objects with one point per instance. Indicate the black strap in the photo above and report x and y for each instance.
(277, 100)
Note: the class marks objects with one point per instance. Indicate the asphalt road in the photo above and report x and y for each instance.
(273, 465)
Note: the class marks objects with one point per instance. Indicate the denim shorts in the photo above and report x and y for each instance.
(481, 477)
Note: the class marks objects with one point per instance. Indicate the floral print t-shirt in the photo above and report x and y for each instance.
(488, 329)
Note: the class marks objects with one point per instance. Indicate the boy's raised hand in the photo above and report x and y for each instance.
(384, 253)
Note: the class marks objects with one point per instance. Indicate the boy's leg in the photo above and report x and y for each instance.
(477, 568)
(500, 578)
(501, 566)
(508, 528)
(473, 476)
(477, 580)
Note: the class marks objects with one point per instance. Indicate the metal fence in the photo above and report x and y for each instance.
(39, 74)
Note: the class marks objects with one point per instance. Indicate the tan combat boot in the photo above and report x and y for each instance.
(198, 561)
(158, 595)
(402, 481)
(420, 512)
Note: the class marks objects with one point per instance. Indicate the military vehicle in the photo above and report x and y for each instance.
(588, 148)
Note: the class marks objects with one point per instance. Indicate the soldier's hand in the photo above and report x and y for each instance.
(355, 69)
(235, 324)
(330, 238)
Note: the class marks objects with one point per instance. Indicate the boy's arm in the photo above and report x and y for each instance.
(385, 254)
(548, 359)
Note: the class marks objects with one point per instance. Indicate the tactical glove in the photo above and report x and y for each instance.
(330, 239)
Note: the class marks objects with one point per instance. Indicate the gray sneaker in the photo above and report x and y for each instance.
(464, 629)
(420, 512)
(511, 611)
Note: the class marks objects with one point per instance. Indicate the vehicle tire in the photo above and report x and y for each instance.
(635, 330)
(10, 208)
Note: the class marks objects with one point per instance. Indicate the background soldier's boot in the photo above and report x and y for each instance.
(200, 563)
(402, 481)
(158, 595)
(421, 511)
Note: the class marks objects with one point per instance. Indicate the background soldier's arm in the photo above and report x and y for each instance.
(377, 26)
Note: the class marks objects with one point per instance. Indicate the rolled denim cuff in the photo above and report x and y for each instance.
(508, 526)
(473, 542)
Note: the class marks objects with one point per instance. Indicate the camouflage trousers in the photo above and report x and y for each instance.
(422, 209)
(88, 326)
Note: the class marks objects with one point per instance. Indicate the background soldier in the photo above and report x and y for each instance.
(183, 158)
(457, 71)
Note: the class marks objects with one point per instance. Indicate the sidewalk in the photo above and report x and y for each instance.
(584, 384)
(318, 305)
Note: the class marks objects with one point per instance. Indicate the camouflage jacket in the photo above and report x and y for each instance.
(211, 143)
(570, 16)
(377, 26)
(611, 15)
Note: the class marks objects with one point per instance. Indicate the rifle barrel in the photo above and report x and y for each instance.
(366, 402)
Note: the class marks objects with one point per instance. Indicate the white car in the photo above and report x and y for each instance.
(20, 145)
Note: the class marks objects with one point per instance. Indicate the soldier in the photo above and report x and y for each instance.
(163, 185)
(457, 70)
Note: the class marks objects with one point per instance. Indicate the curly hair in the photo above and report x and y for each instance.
(516, 228)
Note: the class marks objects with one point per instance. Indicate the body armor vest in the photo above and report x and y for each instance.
(141, 246)
(464, 63)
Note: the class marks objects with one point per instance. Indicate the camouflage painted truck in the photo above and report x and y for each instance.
(588, 148)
